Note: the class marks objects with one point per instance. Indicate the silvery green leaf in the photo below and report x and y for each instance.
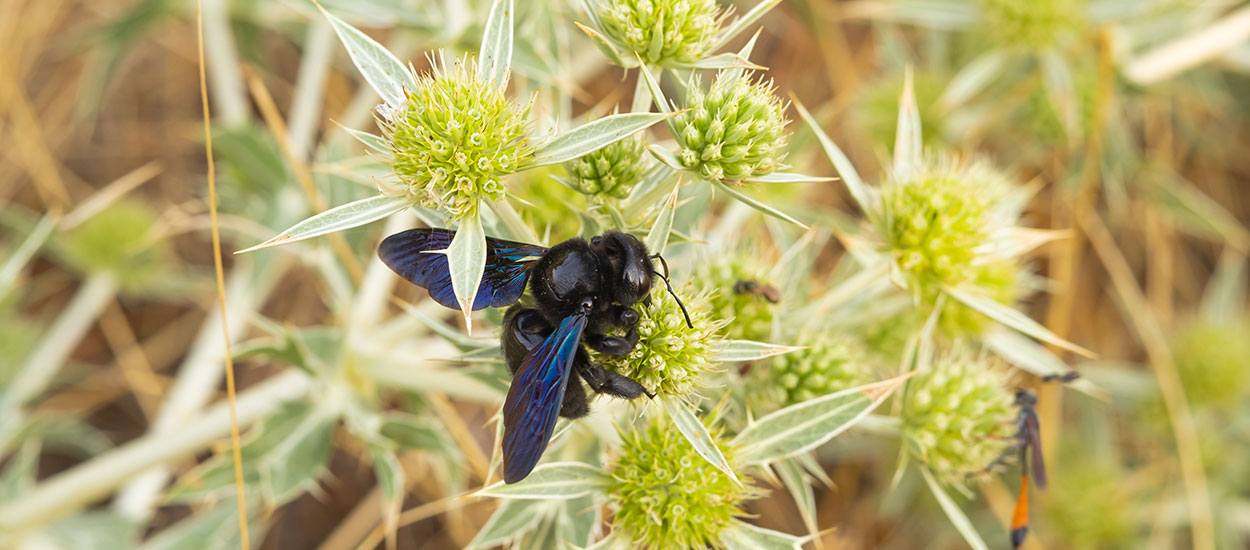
(16, 262)
(696, 433)
(437, 326)
(733, 351)
(756, 203)
(908, 147)
(804, 426)
(579, 521)
(496, 53)
(592, 136)
(862, 194)
(212, 529)
(410, 431)
(799, 486)
(1226, 289)
(657, 95)
(384, 73)
(972, 79)
(347, 216)
(786, 177)
(1006, 315)
(665, 157)
(1057, 78)
(744, 536)
(466, 259)
(390, 476)
(513, 518)
(377, 143)
(738, 25)
(658, 182)
(609, 50)
(657, 238)
(554, 480)
(932, 14)
(724, 61)
(744, 53)
(1026, 354)
(19, 474)
(953, 512)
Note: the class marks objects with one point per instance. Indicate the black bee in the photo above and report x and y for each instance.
(582, 290)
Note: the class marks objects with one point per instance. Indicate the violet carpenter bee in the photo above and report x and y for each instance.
(581, 291)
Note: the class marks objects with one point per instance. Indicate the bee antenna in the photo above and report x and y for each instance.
(664, 278)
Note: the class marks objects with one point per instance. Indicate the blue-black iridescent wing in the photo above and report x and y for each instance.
(534, 399)
(411, 255)
(1033, 431)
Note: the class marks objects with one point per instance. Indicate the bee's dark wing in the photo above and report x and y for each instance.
(534, 399)
(1033, 431)
(411, 254)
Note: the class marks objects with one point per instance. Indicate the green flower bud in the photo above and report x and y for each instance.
(456, 139)
(827, 364)
(740, 294)
(612, 171)
(661, 32)
(119, 239)
(1213, 361)
(958, 418)
(666, 495)
(670, 356)
(1032, 24)
(733, 131)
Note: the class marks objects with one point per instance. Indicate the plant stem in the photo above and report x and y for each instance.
(1190, 50)
(305, 114)
(74, 489)
(97, 291)
(223, 64)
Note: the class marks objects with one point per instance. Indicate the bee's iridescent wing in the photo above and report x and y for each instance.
(413, 255)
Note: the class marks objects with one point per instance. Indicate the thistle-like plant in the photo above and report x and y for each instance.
(451, 138)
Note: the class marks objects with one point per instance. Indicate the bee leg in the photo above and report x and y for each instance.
(612, 383)
(575, 404)
(612, 345)
(626, 317)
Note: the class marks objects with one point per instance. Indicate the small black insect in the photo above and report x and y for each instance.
(768, 292)
(582, 290)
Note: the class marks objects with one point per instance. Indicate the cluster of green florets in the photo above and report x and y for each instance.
(733, 131)
(120, 240)
(612, 171)
(827, 363)
(935, 223)
(661, 32)
(749, 311)
(958, 418)
(456, 139)
(1213, 360)
(1032, 24)
(670, 356)
(667, 496)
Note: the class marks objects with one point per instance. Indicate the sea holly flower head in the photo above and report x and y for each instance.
(667, 496)
(733, 131)
(740, 294)
(670, 356)
(661, 32)
(612, 171)
(958, 418)
(827, 363)
(456, 138)
(1032, 24)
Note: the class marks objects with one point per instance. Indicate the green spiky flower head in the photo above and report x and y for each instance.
(941, 226)
(119, 239)
(612, 171)
(742, 294)
(456, 138)
(1032, 24)
(670, 356)
(732, 131)
(1213, 361)
(827, 363)
(666, 495)
(669, 33)
(957, 417)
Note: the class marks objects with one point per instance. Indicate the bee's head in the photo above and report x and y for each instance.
(629, 267)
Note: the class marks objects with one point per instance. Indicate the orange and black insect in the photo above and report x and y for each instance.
(1029, 442)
